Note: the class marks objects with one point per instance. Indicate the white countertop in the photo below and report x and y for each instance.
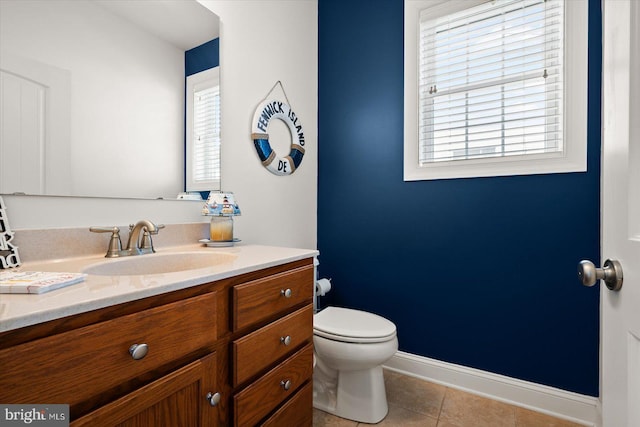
(19, 310)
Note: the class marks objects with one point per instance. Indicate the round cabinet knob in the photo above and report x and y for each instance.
(285, 340)
(611, 273)
(138, 351)
(286, 293)
(213, 398)
(285, 384)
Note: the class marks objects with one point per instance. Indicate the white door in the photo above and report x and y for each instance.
(620, 311)
(22, 134)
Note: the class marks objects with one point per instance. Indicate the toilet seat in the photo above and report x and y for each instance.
(354, 326)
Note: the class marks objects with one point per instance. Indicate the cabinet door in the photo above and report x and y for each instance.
(178, 399)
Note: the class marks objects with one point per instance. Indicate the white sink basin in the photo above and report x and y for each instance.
(159, 263)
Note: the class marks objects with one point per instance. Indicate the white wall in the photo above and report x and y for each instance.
(262, 41)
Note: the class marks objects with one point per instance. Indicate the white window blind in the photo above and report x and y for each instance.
(491, 81)
(206, 135)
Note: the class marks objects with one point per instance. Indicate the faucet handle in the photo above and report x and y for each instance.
(115, 244)
(104, 229)
(147, 243)
(158, 228)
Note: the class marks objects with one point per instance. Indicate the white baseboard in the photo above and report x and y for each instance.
(562, 404)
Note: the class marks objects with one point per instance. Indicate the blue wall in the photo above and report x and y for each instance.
(202, 57)
(478, 272)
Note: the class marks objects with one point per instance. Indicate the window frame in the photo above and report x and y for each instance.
(196, 82)
(574, 156)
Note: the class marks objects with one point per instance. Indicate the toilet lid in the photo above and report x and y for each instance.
(344, 324)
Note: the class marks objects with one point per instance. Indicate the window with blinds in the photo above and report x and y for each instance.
(206, 135)
(491, 81)
(203, 132)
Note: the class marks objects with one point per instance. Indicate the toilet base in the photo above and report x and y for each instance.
(354, 395)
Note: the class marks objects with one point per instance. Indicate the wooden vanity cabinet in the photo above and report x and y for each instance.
(212, 358)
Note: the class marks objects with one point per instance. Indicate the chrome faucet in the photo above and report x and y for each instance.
(136, 245)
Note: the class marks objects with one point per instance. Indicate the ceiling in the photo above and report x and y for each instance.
(183, 23)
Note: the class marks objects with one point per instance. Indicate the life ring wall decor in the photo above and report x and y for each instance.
(272, 109)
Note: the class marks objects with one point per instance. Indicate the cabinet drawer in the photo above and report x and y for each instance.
(298, 411)
(265, 394)
(256, 351)
(74, 366)
(256, 300)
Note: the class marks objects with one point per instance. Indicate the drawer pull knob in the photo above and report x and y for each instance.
(285, 340)
(286, 293)
(138, 351)
(213, 398)
(285, 384)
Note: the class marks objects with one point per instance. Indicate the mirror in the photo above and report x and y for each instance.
(100, 86)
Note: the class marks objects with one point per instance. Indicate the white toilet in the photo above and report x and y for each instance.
(350, 348)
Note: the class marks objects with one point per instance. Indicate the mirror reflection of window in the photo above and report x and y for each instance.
(203, 131)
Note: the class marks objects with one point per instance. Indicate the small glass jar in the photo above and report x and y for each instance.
(221, 229)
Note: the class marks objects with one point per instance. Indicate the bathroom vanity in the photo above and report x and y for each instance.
(229, 344)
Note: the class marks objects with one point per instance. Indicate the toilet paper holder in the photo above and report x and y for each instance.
(322, 287)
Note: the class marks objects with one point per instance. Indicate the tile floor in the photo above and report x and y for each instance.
(414, 402)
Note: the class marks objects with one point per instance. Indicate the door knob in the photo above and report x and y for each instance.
(611, 273)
